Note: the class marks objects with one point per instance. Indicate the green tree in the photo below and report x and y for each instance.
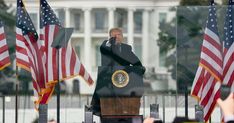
(185, 33)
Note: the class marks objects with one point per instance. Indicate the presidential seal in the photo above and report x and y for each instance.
(120, 78)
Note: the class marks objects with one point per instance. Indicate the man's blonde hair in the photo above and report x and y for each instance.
(114, 29)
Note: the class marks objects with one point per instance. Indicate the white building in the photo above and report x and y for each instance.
(92, 19)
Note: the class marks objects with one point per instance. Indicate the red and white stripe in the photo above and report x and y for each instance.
(4, 53)
(28, 57)
(198, 82)
(228, 65)
(210, 93)
(69, 62)
(211, 54)
(206, 89)
(207, 82)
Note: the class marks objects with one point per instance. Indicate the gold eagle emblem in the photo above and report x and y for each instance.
(120, 78)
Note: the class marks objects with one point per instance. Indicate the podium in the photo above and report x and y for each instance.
(120, 106)
(119, 90)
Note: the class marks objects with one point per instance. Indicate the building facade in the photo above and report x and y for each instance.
(91, 20)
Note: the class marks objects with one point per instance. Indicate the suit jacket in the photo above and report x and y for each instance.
(231, 121)
(118, 55)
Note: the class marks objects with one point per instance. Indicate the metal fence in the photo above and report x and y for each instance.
(72, 108)
(78, 101)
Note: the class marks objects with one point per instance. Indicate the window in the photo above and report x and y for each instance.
(162, 17)
(121, 19)
(100, 19)
(34, 17)
(76, 86)
(61, 16)
(138, 49)
(77, 49)
(138, 21)
(98, 55)
(77, 20)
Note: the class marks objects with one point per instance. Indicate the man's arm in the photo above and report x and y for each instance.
(132, 58)
(105, 47)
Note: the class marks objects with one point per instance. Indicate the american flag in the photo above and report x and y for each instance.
(28, 55)
(228, 63)
(4, 53)
(70, 65)
(207, 82)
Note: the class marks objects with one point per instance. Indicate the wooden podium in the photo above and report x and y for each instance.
(120, 106)
(118, 93)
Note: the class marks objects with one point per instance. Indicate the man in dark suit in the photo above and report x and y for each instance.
(115, 53)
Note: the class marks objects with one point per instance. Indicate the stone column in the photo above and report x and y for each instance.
(67, 17)
(87, 38)
(111, 17)
(131, 26)
(145, 36)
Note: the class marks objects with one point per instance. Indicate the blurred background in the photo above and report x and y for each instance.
(166, 35)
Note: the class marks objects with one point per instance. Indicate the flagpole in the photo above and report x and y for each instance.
(186, 84)
(16, 95)
(58, 88)
(186, 100)
(3, 108)
(60, 41)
